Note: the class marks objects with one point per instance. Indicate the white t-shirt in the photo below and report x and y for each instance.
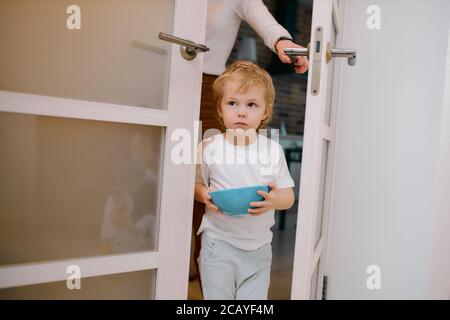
(224, 165)
(222, 25)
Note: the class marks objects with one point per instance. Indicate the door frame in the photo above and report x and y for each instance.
(440, 246)
(171, 259)
(307, 253)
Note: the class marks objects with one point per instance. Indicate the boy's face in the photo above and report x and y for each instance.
(242, 110)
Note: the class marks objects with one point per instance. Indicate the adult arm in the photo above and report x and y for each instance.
(261, 20)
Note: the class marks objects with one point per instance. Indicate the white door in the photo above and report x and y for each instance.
(89, 99)
(318, 150)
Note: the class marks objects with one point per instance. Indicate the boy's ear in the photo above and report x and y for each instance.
(219, 111)
(266, 115)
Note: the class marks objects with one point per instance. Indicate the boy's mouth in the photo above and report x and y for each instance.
(240, 123)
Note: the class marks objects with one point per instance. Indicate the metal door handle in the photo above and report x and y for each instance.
(297, 52)
(350, 54)
(188, 48)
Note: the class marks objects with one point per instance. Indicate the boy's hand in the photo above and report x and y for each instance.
(201, 195)
(207, 201)
(275, 199)
(269, 202)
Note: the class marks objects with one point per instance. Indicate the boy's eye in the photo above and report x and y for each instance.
(231, 103)
(252, 105)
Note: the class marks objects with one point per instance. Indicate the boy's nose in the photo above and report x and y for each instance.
(242, 112)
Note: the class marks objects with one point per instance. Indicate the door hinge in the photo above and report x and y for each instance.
(324, 288)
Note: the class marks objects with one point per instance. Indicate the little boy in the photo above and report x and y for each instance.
(236, 251)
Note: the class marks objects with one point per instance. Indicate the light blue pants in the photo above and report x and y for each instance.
(229, 273)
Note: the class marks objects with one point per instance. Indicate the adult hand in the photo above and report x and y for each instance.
(301, 64)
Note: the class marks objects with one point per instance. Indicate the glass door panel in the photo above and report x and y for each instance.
(115, 56)
(77, 188)
(137, 285)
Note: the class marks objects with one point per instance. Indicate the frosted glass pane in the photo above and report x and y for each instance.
(132, 285)
(115, 56)
(73, 188)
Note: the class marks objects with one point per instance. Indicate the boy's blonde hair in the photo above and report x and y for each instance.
(248, 74)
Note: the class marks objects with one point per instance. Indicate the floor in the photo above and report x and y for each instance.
(283, 257)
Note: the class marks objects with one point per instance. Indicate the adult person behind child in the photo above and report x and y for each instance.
(223, 20)
(222, 25)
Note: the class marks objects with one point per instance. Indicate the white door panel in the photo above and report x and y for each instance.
(318, 152)
(86, 117)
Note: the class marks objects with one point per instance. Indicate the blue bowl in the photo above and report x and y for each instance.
(237, 200)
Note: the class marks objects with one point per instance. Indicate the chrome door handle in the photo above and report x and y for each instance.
(297, 52)
(188, 48)
(350, 54)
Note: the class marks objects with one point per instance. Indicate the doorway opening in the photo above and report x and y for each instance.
(289, 119)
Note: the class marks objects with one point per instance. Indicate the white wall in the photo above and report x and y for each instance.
(389, 133)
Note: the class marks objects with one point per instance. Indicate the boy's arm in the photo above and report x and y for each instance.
(200, 191)
(278, 198)
(201, 195)
(285, 199)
